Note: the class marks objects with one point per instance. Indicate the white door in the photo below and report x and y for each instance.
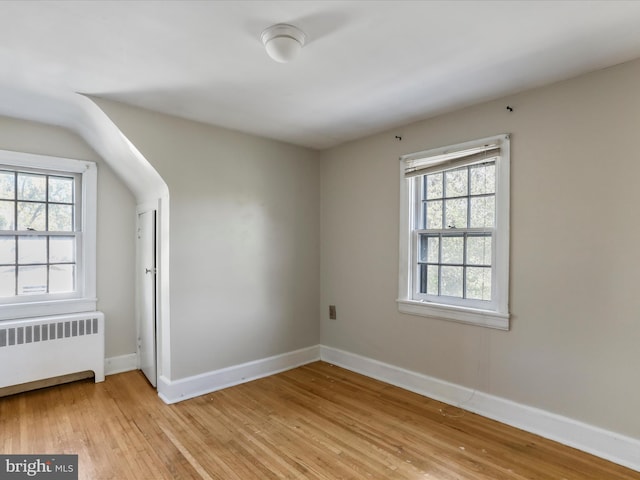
(147, 292)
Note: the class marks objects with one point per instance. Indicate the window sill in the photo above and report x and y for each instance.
(15, 311)
(470, 316)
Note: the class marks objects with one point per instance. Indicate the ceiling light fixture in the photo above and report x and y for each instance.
(283, 42)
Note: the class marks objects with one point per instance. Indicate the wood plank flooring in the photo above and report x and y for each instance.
(314, 422)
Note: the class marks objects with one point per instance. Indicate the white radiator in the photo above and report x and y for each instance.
(45, 347)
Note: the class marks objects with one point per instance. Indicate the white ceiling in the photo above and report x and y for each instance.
(367, 66)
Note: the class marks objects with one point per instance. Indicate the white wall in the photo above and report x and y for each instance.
(573, 348)
(116, 226)
(244, 239)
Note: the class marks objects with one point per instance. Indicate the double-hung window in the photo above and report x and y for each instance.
(47, 235)
(454, 233)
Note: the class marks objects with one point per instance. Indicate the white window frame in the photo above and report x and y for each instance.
(84, 298)
(494, 313)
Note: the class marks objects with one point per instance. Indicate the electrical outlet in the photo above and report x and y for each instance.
(332, 312)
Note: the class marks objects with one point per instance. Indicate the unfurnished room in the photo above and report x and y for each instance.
(319, 240)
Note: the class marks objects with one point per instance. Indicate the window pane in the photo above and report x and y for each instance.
(7, 185)
(432, 279)
(62, 249)
(61, 278)
(61, 189)
(452, 281)
(32, 280)
(482, 212)
(31, 216)
(483, 179)
(433, 186)
(429, 279)
(422, 248)
(479, 250)
(7, 281)
(433, 250)
(434, 214)
(32, 187)
(479, 283)
(455, 182)
(429, 249)
(452, 250)
(422, 275)
(60, 218)
(7, 215)
(456, 213)
(32, 250)
(7, 250)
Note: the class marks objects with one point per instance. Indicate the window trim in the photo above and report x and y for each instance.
(84, 299)
(496, 315)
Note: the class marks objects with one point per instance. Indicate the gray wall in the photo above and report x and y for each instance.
(244, 239)
(574, 344)
(264, 236)
(116, 226)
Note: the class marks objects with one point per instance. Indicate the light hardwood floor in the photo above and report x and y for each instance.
(314, 422)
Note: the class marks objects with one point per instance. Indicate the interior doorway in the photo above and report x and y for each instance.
(147, 295)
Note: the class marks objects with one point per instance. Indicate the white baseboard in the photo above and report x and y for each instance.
(172, 391)
(123, 363)
(609, 445)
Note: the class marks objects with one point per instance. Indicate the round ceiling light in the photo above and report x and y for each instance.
(283, 42)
